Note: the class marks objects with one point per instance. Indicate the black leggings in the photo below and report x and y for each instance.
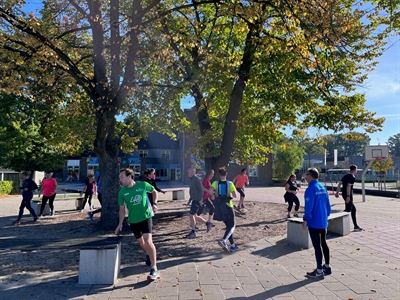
(318, 239)
(26, 203)
(210, 206)
(87, 197)
(44, 201)
(230, 227)
(350, 207)
(290, 199)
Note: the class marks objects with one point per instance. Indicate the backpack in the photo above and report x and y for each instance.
(222, 210)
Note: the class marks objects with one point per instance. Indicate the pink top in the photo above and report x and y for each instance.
(241, 180)
(49, 187)
(207, 184)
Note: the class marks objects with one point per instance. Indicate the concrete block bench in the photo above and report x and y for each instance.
(338, 223)
(178, 194)
(37, 204)
(100, 262)
(99, 259)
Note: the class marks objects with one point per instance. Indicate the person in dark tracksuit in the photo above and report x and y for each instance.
(28, 186)
(317, 208)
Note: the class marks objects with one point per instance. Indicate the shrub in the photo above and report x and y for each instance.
(6, 187)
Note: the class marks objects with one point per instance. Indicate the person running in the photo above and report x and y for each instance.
(347, 193)
(317, 208)
(89, 190)
(28, 186)
(206, 198)
(240, 181)
(149, 176)
(140, 213)
(224, 190)
(291, 197)
(49, 190)
(196, 190)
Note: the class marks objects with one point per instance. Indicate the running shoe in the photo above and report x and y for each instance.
(234, 248)
(209, 225)
(315, 274)
(358, 229)
(148, 261)
(327, 270)
(35, 219)
(52, 213)
(224, 246)
(296, 215)
(154, 274)
(288, 216)
(242, 206)
(191, 235)
(90, 215)
(17, 223)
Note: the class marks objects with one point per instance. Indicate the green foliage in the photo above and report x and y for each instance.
(287, 158)
(26, 139)
(351, 144)
(6, 187)
(382, 166)
(394, 145)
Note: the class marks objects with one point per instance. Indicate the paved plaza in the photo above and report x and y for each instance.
(365, 265)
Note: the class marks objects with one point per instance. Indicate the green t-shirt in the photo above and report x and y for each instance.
(136, 201)
(231, 189)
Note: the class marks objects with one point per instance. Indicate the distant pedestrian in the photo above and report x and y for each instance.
(28, 186)
(240, 181)
(291, 197)
(347, 193)
(49, 191)
(196, 193)
(140, 213)
(206, 198)
(149, 177)
(99, 185)
(89, 190)
(316, 211)
(224, 190)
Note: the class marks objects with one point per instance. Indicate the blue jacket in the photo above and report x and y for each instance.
(317, 205)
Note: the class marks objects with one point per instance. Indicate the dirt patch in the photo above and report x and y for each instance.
(171, 225)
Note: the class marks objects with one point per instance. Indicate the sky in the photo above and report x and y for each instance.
(382, 89)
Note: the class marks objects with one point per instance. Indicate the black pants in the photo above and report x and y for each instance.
(210, 206)
(87, 197)
(318, 239)
(26, 203)
(230, 227)
(351, 208)
(44, 201)
(290, 199)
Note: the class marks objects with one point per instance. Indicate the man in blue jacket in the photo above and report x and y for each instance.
(316, 211)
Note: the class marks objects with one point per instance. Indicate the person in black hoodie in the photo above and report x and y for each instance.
(28, 186)
(149, 176)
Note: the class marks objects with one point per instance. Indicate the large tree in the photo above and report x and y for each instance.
(256, 67)
(28, 140)
(253, 67)
(394, 145)
(351, 144)
(101, 50)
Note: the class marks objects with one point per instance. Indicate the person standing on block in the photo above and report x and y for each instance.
(317, 208)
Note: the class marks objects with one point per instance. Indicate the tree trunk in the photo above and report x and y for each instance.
(107, 147)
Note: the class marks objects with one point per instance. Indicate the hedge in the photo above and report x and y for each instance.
(6, 187)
